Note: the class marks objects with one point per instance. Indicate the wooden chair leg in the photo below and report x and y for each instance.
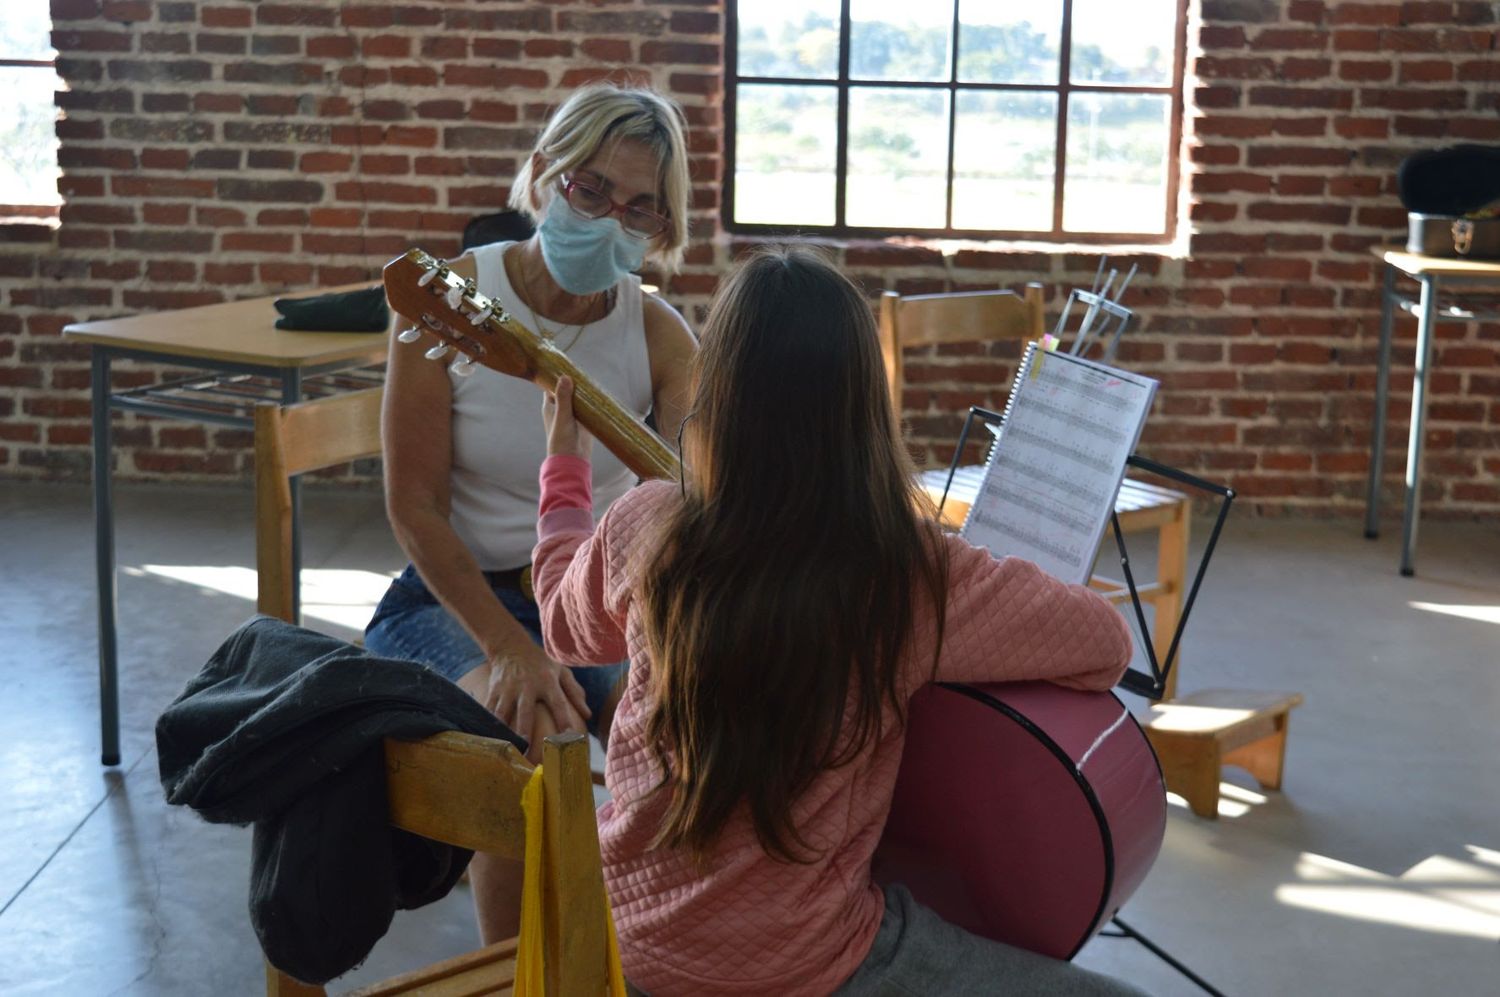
(1171, 573)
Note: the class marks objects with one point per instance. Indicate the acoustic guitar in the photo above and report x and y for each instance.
(1023, 812)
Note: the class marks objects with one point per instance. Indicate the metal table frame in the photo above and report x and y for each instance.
(1429, 273)
(158, 400)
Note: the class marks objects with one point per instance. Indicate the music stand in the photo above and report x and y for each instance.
(1152, 686)
(1112, 316)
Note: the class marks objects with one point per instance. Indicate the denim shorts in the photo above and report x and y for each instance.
(411, 624)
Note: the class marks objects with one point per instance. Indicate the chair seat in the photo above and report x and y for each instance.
(1140, 505)
(490, 970)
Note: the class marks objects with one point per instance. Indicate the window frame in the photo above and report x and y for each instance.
(1063, 88)
(27, 210)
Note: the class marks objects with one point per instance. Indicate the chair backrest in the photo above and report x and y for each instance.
(295, 439)
(501, 226)
(959, 317)
(466, 790)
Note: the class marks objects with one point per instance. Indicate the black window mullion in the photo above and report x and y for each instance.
(952, 115)
(1064, 70)
(841, 151)
(731, 114)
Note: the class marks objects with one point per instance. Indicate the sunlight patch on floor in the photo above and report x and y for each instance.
(1234, 800)
(1440, 894)
(1481, 614)
(341, 597)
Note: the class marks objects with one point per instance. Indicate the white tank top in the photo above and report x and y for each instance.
(498, 440)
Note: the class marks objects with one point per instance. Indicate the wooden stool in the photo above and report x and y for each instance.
(1195, 735)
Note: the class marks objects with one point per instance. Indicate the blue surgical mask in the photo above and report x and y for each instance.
(587, 255)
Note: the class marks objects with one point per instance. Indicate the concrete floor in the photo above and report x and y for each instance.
(1376, 871)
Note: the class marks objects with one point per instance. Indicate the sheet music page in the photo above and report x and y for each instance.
(1050, 483)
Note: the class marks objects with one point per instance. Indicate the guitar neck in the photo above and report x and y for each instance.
(447, 306)
(616, 427)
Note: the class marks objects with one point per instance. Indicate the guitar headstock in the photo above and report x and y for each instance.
(449, 307)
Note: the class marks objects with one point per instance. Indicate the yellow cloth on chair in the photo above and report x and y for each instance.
(530, 979)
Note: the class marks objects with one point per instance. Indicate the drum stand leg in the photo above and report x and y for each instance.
(1126, 931)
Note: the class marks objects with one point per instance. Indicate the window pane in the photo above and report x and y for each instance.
(900, 39)
(25, 30)
(784, 154)
(898, 151)
(1129, 43)
(1117, 163)
(998, 43)
(798, 38)
(1004, 161)
(28, 137)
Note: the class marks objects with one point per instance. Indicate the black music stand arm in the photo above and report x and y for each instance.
(1153, 686)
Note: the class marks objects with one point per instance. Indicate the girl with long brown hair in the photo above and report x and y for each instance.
(779, 607)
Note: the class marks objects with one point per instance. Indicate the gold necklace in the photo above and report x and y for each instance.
(550, 335)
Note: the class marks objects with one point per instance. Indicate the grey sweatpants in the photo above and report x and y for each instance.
(918, 953)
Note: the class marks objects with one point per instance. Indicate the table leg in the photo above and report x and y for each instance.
(104, 563)
(291, 393)
(1426, 321)
(1382, 397)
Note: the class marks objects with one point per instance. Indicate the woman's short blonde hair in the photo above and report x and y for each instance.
(603, 112)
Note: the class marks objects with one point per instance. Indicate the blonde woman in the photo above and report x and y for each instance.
(607, 187)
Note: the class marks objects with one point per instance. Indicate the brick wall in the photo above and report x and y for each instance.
(216, 149)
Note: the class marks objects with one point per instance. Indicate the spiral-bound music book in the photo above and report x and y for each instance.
(1050, 482)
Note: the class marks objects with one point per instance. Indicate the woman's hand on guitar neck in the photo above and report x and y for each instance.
(564, 433)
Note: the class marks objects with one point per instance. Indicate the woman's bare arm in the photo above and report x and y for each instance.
(416, 432)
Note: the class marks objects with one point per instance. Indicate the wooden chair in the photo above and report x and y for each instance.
(295, 439)
(466, 791)
(984, 316)
(960, 317)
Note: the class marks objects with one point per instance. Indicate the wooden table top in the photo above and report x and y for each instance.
(1417, 265)
(238, 332)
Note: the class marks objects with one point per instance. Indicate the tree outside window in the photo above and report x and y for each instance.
(1053, 119)
(28, 132)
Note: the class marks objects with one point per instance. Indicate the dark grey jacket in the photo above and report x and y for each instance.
(282, 728)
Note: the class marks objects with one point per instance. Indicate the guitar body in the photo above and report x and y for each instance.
(1023, 812)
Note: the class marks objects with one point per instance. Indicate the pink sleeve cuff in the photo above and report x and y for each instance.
(567, 486)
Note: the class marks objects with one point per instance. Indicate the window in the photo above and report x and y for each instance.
(28, 132)
(1049, 119)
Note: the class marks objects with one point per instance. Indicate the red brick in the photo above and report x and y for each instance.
(1356, 41)
(1288, 39)
(225, 17)
(1365, 13)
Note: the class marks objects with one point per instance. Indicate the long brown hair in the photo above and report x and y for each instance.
(779, 606)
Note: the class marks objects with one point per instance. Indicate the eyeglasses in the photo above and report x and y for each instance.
(591, 202)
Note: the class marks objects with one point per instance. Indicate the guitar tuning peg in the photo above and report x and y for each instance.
(437, 352)
(462, 367)
(409, 335)
(454, 297)
(482, 316)
(427, 277)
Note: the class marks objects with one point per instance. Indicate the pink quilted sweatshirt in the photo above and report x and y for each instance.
(747, 923)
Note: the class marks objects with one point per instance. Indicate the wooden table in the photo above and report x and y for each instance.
(1429, 272)
(248, 360)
